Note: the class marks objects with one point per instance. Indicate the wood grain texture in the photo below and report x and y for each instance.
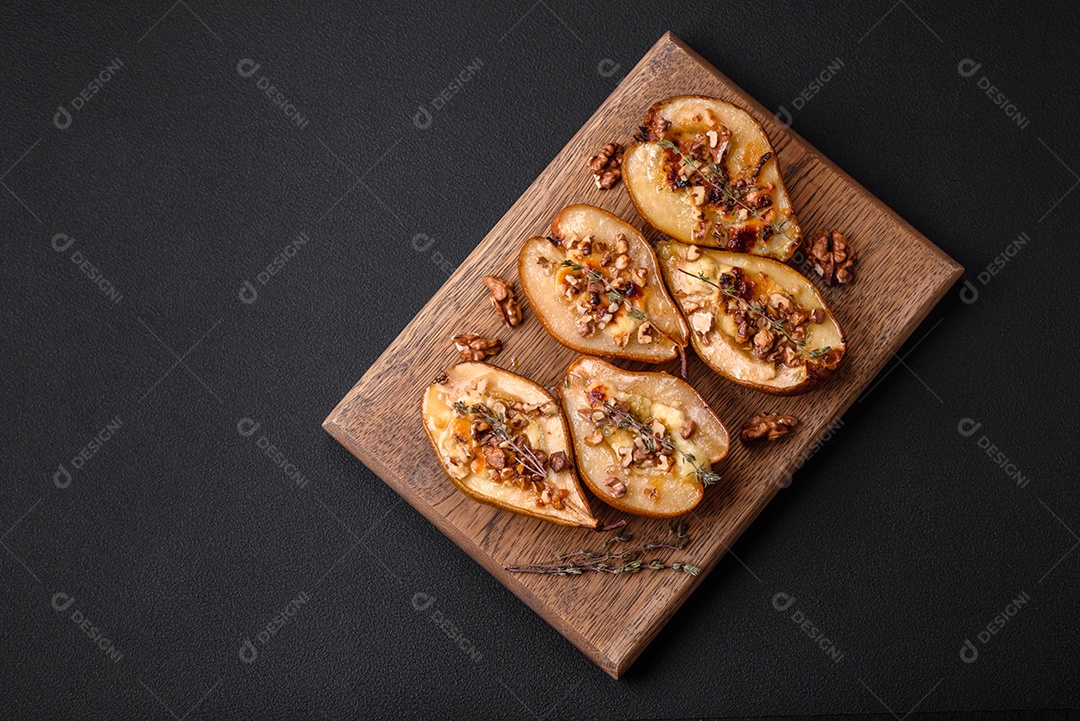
(900, 277)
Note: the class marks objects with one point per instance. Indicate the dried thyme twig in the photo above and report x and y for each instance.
(627, 561)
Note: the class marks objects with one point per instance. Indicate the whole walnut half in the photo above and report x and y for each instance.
(606, 166)
(502, 299)
(832, 256)
(767, 425)
(473, 347)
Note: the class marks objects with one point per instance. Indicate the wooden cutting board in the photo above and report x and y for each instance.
(900, 277)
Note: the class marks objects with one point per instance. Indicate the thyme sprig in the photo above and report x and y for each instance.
(758, 310)
(626, 561)
(528, 457)
(727, 191)
(625, 419)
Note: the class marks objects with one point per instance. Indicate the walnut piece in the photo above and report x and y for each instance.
(832, 256)
(644, 333)
(767, 425)
(476, 348)
(763, 341)
(559, 461)
(688, 429)
(494, 457)
(502, 300)
(606, 166)
(618, 488)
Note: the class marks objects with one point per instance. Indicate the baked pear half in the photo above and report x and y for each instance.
(753, 320)
(596, 287)
(703, 172)
(502, 440)
(645, 442)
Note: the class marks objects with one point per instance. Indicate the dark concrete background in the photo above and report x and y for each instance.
(179, 539)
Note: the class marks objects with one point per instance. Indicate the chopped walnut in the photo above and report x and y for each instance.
(618, 488)
(585, 327)
(718, 143)
(763, 341)
(494, 457)
(767, 425)
(595, 438)
(621, 246)
(644, 333)
(502, 299)
(476, 348)
(559, 461)
(688, 429)
(832, 257)
(693, 252)
(606, 166)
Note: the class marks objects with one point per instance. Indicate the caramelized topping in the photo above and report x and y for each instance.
(496, 439)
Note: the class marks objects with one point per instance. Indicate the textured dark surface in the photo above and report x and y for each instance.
(180, 538)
